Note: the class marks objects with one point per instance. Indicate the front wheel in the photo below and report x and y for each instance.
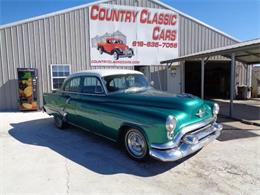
(136, 145)
(58, 122)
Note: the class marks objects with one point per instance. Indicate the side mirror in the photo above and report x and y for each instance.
(152, 83)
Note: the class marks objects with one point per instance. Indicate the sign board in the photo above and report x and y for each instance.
(131, 36)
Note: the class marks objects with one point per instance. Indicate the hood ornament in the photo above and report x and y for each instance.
(200, 113)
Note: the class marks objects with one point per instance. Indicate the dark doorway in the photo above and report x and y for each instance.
(145, 70)
(217, 78)
(139, 68)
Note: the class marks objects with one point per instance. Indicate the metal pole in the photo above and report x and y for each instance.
(182, 77)
(202, 77)
(250, 67)
(150, 76)
(232, 84)
(167, 79)
(159, 79)
(246, 67)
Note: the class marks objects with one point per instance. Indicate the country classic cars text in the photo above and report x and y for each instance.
(143, 16)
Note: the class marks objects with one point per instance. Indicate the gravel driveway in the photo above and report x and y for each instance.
(36, 158)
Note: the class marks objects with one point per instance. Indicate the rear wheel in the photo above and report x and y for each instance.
(100, 50)
(136, 145)
(58, 122)
(116, 56)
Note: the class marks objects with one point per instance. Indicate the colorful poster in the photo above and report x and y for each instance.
(27, 88)
(131, 36)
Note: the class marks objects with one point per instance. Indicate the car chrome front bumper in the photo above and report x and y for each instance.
(187, 145)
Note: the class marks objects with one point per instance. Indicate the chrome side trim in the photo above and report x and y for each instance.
(177, 138)
(79, 93)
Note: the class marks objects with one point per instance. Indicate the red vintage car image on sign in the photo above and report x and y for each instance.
(115, 47)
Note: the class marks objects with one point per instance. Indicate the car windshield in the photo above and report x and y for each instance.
(127, 83)
(118, 41)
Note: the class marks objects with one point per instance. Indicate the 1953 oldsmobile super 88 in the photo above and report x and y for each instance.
(120, 105)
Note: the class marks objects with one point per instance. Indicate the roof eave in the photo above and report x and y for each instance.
(195, 20)
(223, 51)
(105, 1)
(52, 14)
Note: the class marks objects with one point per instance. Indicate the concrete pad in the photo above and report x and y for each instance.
(248, 110)
(36, 158)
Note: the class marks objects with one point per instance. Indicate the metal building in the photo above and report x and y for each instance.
(63, 38)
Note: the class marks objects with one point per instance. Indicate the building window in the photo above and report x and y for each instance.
(59, 73)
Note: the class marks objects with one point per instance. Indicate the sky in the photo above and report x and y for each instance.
(238, 18)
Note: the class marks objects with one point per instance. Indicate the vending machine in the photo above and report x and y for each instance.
(27, 84)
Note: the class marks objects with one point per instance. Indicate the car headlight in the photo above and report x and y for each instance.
(215, 109)
(170, 126)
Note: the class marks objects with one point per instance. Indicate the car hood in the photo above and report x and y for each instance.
(154, 98)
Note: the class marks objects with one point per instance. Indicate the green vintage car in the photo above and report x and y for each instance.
(121, 106)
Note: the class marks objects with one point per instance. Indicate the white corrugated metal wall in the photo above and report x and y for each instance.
(64, 39)
(195, 37)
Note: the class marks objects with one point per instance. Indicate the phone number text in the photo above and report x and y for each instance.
(154, 44)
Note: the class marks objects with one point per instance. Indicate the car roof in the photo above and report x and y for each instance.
(113, 38)
(104, 72)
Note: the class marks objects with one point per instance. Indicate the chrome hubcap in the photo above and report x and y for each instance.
(136, 143)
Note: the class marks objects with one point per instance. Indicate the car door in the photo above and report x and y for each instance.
(109, 46)
(91, 102)
(71, 95)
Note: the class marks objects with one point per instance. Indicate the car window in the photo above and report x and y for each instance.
(73, 85)
(91, 85)
(118, 82)
(122, 82)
